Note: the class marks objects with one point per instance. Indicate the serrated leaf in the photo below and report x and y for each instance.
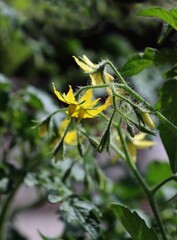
(133, 223)
(167, 104)
(82, 212)
(169, 16)
(138, 62)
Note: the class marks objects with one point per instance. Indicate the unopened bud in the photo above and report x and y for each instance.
(147, 120)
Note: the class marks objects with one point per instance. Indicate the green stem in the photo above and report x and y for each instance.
(5, 212)
(156, 188)
(91, 87)
(161, 117)
(142, 184)
(116, 72)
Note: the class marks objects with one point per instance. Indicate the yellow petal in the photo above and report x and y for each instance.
(96, 78)
(63, 125)
(91, 113)
(147, 120)
(70, 98)
(143, 144)
(87, 97)
(132, 151)
(109, 77)
(82, 65)
(71, 138)
(58, 94)
(88, 62)
(140, 136)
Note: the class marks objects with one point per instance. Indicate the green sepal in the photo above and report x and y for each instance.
(130, 130)
(58, 153)
(80, 146)
(145, 129)
(105, 140)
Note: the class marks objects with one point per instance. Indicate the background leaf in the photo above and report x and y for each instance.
(82, 212)
(138, 62)
(169, 17)
(167, 104)
(132, 222)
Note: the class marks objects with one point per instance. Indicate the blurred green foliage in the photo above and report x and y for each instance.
(37, 41)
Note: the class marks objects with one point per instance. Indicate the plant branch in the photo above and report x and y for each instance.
(156, 188)
(142, 184)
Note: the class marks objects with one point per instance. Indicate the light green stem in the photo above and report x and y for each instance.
(143, 184)
(5, 212)
(171, 178)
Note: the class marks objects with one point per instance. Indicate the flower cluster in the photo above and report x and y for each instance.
(134, 120)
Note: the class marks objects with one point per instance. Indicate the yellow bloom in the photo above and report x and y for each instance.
(147, 120)
(89, 67)
(71, 135)
(138, 142)
(84, 107)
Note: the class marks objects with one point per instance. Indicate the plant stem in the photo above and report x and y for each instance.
(156, 188)
(5, 212)
(161, 117)
(143, 184)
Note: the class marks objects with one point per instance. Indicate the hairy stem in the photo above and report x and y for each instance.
(143, 184)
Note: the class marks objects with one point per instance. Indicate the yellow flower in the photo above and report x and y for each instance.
(71, 135)
(147, 120)
(84, 107)
(138, 142)
(90, 67)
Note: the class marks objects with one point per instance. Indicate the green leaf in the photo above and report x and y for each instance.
(163, 170)
(170, 74)
(86, 214)
(132, 222)
(167, 104)
(169, 16)
(138, 62)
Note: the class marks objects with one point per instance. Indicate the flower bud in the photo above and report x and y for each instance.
(147, 120)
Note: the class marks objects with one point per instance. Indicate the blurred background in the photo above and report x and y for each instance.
(37, 41)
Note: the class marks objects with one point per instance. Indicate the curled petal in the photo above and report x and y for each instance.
(83, 65)
(58, 94)
(132, 150)
(147, 120)
(143, 144)
(88, 62)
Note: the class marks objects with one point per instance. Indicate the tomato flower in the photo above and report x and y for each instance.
(90, 67)
(138, 142)
(84, 107)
